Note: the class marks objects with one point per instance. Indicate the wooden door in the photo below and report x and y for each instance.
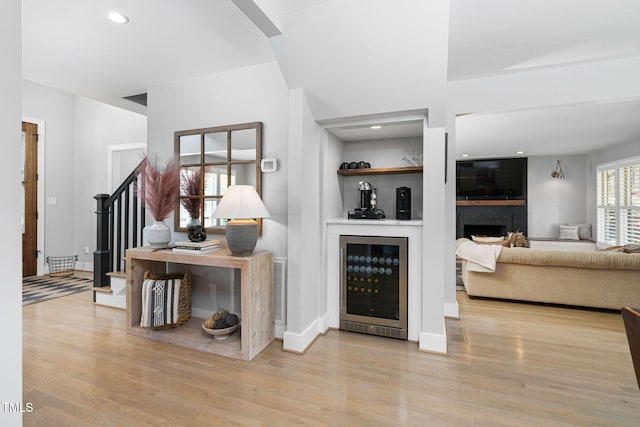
(30, 191)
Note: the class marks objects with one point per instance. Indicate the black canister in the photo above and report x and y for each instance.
(403, 203)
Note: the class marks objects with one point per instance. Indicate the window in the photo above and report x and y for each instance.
(218, 157)
(618, 198)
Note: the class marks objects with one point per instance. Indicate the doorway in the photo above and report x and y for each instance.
(30, 199)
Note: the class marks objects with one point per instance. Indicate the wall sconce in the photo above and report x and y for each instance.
(558, 172)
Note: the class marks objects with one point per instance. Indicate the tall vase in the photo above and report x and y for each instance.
(158, 235)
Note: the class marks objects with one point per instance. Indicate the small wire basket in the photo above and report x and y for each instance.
(61, 266)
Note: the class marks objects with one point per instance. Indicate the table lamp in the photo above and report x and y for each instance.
(241, 204)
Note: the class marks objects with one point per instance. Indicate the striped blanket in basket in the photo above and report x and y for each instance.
(160, 300)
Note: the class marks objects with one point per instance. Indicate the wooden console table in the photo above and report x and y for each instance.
(256, 300)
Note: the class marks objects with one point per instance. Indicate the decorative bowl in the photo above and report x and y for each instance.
(221, 334)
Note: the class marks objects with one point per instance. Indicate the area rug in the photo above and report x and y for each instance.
(42, 288)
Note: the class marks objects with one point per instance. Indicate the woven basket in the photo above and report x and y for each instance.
(184, 299)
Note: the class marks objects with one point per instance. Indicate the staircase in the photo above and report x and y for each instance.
(120, 223)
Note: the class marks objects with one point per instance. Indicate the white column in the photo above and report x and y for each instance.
(11, 259)
(433, 335)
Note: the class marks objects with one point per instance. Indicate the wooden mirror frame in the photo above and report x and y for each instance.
(228, 163)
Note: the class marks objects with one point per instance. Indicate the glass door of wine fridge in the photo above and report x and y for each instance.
(373, 285)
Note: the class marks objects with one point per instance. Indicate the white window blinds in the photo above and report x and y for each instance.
(618, 202)
(629, 199)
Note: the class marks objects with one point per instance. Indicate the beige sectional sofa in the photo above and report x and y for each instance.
(581, 278)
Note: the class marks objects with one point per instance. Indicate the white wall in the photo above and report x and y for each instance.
(97, 126)
(56, 109)
(252, 94)
(11, 259)
(78, 131)
(553, 201)
(393, 59)
(306, 295)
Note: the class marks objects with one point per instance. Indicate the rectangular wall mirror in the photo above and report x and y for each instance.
(212, 159)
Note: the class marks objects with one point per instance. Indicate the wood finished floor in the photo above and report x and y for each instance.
(509, 364)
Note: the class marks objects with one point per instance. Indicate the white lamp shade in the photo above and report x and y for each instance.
(241, 201)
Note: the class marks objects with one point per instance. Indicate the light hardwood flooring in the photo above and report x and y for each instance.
(509, 364)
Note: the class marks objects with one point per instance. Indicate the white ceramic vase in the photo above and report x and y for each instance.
(158, 234)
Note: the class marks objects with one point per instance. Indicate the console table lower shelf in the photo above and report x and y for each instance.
(256, 329)
(191, 335)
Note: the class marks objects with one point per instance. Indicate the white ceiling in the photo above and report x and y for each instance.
(70, 45)
(498, 37)
(558, 130)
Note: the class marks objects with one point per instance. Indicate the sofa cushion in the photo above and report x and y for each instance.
(504, 243)
(577, 259)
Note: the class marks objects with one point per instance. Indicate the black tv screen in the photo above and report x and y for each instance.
(491, 179)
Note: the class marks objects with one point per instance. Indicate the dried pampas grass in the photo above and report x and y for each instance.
(159, 188)
(191, 185)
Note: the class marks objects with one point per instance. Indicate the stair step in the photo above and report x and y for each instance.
(122, 274)
(103, 289)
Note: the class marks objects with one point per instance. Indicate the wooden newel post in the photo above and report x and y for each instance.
(102, 255)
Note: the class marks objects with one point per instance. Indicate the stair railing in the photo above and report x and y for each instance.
(120, 224)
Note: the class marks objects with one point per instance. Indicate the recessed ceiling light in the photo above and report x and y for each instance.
(117, 17)
(465, 155)
(376, 127)
(519, 152)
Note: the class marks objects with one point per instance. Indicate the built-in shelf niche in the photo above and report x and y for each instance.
(380, 171)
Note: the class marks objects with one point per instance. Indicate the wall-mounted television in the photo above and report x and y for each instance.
(491, 179)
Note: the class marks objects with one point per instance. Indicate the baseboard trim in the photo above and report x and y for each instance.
(299, 343)
(451, 310)
(433, 343)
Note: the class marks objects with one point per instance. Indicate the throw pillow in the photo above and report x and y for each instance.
(166, 300)
(486, 239)
(569, 232)
(584, 231)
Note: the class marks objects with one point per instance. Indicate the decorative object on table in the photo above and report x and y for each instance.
(412, 157)
(558, 172)
(158, 188)
(241, 204)
(197, 247)
(166, 300)
(221, 324)
(191, 185)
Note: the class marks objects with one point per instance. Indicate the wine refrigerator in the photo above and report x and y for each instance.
(373, 285)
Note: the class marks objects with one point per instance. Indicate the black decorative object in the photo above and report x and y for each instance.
(403, 203)
(197, 233)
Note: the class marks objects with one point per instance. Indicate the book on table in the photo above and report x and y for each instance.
(197, 247)
(196, 251)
